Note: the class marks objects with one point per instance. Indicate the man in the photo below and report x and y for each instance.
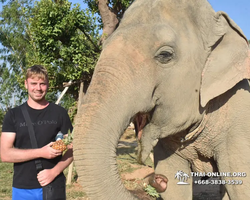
(47, 119)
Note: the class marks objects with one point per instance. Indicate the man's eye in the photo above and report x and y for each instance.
(164, 57)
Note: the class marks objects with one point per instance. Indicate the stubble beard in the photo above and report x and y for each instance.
(38, 99)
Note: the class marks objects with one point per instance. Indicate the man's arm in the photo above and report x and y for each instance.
(48, 175)
(13, 155)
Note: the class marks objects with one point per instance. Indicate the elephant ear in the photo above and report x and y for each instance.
(229, 59)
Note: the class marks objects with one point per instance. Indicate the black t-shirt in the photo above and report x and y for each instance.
(47, 123)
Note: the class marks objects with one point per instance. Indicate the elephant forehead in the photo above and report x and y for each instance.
(179, 14)
(155, 10)
(141, 38)
(122, 44)
(150, 15)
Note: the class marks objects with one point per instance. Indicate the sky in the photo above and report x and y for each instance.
(238, 10)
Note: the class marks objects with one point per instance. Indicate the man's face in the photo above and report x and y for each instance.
(37, 88)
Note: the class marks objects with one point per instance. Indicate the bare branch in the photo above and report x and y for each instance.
(109, 19)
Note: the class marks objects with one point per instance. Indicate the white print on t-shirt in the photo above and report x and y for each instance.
(39, 123)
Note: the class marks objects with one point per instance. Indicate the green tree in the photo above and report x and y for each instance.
(8, 87)
(54, 34)
(1, 117)
(49, 33)
(14, 38)
(66, 41)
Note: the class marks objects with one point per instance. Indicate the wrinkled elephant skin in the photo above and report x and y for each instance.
(184, 66)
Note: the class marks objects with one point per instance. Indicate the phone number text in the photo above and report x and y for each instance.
(218, 182)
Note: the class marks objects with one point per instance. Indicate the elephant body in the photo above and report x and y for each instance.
(186, 68)
(219, 144)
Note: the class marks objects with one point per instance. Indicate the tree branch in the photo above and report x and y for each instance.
(109, 19)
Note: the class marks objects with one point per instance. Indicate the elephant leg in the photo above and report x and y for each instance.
(224, 193)
(234, 159)
(168, 164)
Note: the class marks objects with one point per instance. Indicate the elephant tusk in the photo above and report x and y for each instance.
(195, 133)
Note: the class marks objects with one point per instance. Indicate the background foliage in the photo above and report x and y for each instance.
(52, 33)
(65, 40)
(55, 33)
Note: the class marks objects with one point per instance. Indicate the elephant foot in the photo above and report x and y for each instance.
(159, 182)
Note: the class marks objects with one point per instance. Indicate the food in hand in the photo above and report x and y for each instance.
(61, 144)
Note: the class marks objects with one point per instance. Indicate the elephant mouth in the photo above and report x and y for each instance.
(158, 181)
(140, 121)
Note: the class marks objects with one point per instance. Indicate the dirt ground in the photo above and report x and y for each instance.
(134, 178)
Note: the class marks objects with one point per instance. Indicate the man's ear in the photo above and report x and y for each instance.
(228, 62)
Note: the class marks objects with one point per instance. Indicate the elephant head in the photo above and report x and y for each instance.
(168, 59)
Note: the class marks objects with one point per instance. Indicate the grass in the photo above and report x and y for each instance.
(74, 191)
(124, 162)
(6, 174)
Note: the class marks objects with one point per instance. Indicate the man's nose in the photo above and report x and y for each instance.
(38, 87)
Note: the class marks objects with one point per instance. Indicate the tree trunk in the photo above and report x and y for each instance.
(109, 19)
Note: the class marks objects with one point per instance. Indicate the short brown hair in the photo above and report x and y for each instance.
(37, 70)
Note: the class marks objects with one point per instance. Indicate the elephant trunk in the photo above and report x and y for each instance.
(101, 120)
(95, 159)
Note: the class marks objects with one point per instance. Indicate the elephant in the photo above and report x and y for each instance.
(187, 68)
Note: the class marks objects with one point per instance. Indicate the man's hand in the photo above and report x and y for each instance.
(49, 153)
(46, 176)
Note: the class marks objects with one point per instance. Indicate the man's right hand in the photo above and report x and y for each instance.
(14, 155)
(49, 153)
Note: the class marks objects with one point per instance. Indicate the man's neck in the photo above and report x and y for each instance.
(37, 105)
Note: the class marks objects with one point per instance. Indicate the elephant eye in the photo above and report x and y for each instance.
(164, 56)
